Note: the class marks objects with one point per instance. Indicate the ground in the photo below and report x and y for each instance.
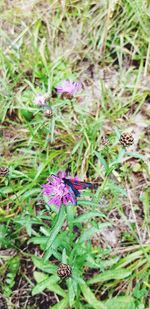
(105, 238)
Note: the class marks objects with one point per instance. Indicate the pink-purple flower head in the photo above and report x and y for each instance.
(68, 88)
(58, 192)
(40, 99)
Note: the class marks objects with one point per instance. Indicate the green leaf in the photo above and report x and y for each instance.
(40, 287)
(55, 231)
(110, 275)
(54, 287)
(39, 170)
(17, 174)
(39, 240)
(130, 258)
(122, 302)
(119, 158)
(146, 203)
(135, 155)
(46, 266)
(102, 160)
(45, 231)
(47, 283)
(88, 216)
(87, 202)
(70, 216)
(71, 292)
(30, 193)
(13, 266)
(62, 304)
(77, 145)
(26, 114)
(91, 231)
(90, 297)
(90, 262)
(64, 256)
(39, 276)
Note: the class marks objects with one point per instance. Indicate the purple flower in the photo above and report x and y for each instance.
(40, 99)
(68, 87)
(58, 192)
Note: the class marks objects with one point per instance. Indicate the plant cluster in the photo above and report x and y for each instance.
(74, 170)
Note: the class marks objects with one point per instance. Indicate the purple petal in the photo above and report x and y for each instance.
(58, 191)
(39, 99)
(56, 200)
(70, 87)
(47, 189)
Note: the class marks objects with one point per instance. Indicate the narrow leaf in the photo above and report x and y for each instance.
(39, 276)
(135, 155)
(46, 266)
(110, 275)
(71, 292)
(45, 284)
(90, 297)
(55, 231)
(122, 302)
(61, 305)
(90, 232)
(88, 216)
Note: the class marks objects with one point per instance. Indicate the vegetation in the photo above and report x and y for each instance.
(105, 238)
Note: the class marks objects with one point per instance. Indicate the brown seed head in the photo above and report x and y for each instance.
(64, 271)
(3, 171)
(48, 112)
(126, 139)
(66, 95)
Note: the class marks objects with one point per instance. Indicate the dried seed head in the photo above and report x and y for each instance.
(3, 171)
(64, 271)
(126, 139)
(79, 99)
(104, 140)
(48, 112)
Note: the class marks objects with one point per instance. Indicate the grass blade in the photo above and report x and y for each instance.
(117, 274)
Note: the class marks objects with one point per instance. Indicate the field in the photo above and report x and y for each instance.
(95, 254)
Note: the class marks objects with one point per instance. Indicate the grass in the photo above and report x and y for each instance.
(105, 239)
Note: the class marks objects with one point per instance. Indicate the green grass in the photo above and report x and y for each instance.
(104, 44)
